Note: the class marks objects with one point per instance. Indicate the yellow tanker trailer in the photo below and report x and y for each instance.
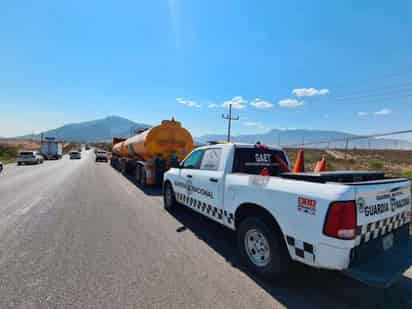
(151, 152)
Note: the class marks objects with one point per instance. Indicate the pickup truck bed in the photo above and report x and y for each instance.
(339, 176)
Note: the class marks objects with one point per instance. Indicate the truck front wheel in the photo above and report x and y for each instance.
(169, 199)
(262, 248)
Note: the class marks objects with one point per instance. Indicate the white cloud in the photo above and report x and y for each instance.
(189, 103)
(309, 92)
(363, 114)
(261, 104)
(254, 124)
(213, 105)
(382, 112)
(287, 129)
(290, 103)
(237, 103)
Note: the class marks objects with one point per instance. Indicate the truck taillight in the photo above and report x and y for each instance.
(341, 220)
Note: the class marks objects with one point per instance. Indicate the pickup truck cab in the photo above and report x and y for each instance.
(354, 222)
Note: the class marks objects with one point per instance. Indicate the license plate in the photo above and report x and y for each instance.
(387, 242)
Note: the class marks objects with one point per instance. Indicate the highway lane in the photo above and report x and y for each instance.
(76, 234)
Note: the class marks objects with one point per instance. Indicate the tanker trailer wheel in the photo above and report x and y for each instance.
(142, 180)
(169, 199)
(123, 167)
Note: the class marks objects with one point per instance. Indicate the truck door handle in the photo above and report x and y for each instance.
(213, 179)
(189, 176)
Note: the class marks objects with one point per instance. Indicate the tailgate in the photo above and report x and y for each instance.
(382, 208)
(383, 215)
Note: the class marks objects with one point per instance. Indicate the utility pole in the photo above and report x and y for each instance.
(346, 147)
(229, 118)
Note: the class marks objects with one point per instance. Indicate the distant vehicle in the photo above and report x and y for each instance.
(29, 157)
(102, 156)
(1, 166)
(51, 150)
(74, 154)
(87, 147)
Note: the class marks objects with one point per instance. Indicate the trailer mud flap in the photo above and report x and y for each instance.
(386, 268)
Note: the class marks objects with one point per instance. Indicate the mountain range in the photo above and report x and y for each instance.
(114, 126)
(312, 138)
(99, 130)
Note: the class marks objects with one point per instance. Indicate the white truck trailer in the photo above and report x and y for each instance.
(51, 150)
(353, 222)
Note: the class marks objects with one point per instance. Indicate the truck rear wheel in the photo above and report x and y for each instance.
(142, 180)
(262, 248)
(169, 199)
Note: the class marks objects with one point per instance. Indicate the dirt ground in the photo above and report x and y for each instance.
(21, 144)
(393, 162)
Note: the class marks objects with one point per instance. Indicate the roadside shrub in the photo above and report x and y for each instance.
(375, 165)
(407, 173)
(8, 153)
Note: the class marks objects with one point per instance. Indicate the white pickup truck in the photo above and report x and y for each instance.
(354, 222)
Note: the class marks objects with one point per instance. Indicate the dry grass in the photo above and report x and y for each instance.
(393, 162)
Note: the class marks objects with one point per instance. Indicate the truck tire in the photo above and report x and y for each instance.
(142, 179)
(262, 248)
(169, 199)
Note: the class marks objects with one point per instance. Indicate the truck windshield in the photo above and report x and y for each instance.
(253, 160)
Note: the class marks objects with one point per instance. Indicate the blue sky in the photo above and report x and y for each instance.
(341, 65)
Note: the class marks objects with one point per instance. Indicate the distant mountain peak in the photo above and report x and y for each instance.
(103, 129)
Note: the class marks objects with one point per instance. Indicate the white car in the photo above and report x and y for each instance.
(75, 155)
(353, 222)
(29, 157)
(101, 156)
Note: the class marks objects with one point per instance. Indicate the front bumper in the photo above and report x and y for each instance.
(384, 269)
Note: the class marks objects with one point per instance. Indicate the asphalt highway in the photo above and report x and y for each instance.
(78, 234)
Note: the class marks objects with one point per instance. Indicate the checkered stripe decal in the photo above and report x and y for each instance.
(210, 210)
(367, 232)
(301, 249)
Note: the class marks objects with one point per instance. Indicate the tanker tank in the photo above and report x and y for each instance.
(152, 151)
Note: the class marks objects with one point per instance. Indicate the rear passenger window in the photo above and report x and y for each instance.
(193, 161)
(211, 159)
(253, 160)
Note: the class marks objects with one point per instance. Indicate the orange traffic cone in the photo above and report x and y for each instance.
(299, 166)
(321, 165)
